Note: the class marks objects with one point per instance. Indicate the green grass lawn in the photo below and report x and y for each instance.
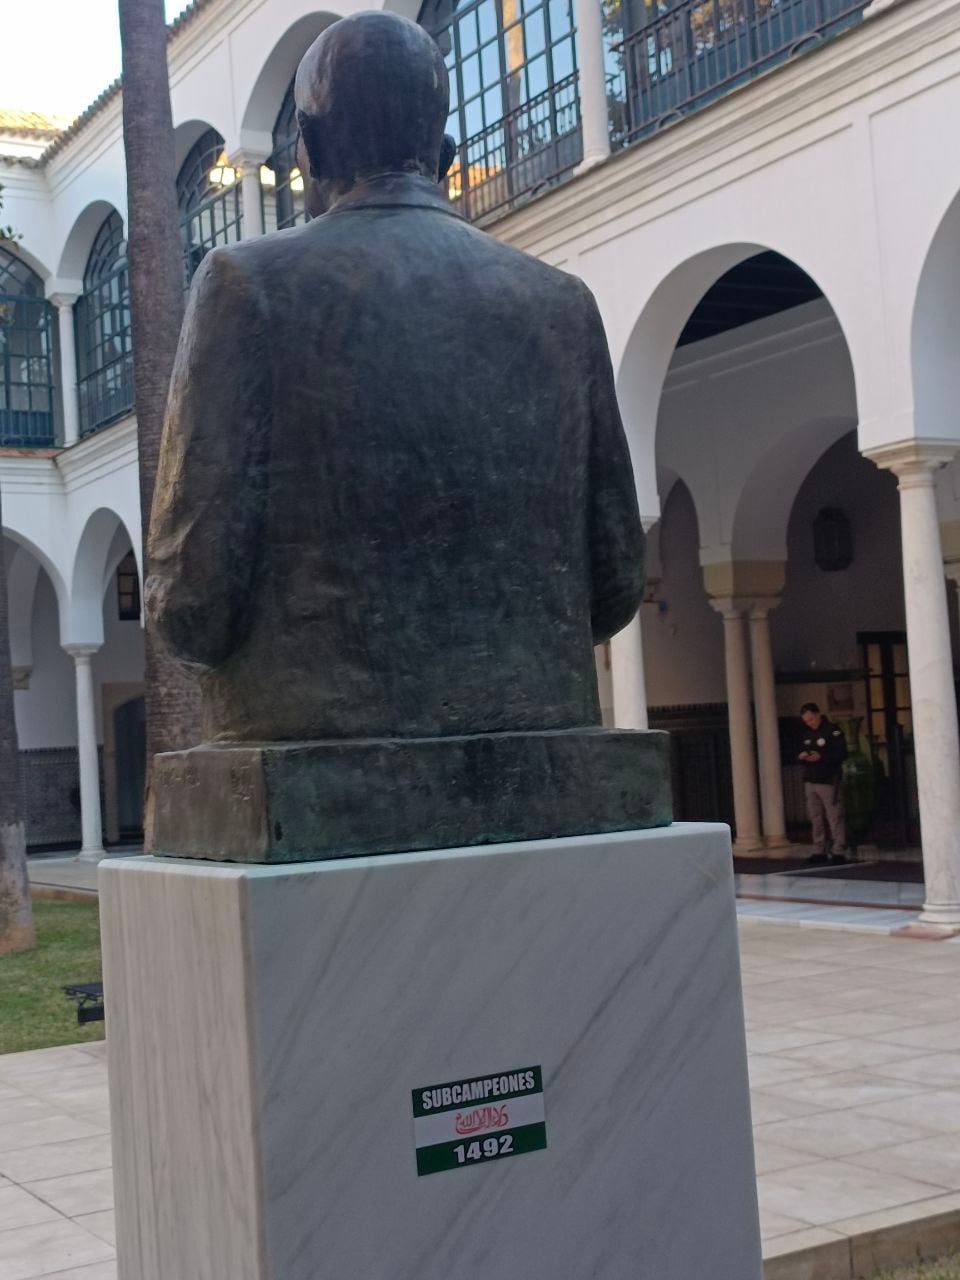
(34, 1013)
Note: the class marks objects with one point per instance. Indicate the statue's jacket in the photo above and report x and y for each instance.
(394, 496)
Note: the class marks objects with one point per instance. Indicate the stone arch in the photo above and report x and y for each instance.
(186, 134)
(935, 370)
(652, 342)
(274, 77)
(56, 578)
(19, 249)
(89, 575)
(76, 249)
(766, 499)
(23, 573)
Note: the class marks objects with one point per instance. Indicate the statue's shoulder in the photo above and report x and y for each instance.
(535, 273)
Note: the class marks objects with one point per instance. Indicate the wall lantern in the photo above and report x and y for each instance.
(832, 540)
(222, 174)
(267, 176)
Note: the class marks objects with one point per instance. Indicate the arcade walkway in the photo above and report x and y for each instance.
(854, 1044)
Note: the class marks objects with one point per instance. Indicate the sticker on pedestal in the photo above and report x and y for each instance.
(469, 1122)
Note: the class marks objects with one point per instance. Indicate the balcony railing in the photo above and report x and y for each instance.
(106, 395)
(697, 50)
(26, 428)
(530, 148)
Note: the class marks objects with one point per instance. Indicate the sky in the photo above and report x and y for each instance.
(58, 55)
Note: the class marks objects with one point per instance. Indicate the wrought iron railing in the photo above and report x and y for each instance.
(26, 428)
(528, 149)
(697, 50)
(106, 395)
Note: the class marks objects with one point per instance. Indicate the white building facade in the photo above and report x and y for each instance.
(765, 201)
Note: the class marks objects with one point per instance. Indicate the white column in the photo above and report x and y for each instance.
(768, 735)
(68, 366)
(593, 83)
(743, 762)
(91, 849)
(932, 693)
(629, 683)
(248, 163)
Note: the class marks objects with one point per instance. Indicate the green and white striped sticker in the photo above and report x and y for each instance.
(474, 1121)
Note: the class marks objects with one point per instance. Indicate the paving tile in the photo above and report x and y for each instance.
(103, 1225)
(833, 1091)
(770, 1156)
(931, 1070)
(18, 1208)
(55, 1159)
(96, 1271)
(833, 1134)
(778, 1224)
(43, 1084)
(939, 1036)
(29, 1252)
(76, 1193)
(931, 1159)
(24, 1106)
(82, 1098)
(35, 1133)
(849, 1054)
(826, 1191)
(777, 1039)
(852, 1023)
(936, 1110)
(793, 1242)
(18, 1067)
(767, 1109)
(766, 1070)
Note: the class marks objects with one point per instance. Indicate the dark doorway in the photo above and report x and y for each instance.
(890, 733)
(130, 736)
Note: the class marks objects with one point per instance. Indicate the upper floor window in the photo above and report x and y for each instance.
(281, 182)
(104, 345)
(26, 355)
(128, 589)
(208, 195)
(514, 105)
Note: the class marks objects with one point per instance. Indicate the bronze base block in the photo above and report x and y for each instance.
(302, 801)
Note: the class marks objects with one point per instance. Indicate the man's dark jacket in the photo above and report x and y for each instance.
(828, 741)
(395, 496)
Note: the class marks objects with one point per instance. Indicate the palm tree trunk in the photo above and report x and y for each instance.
(156, 304)
(16, 914)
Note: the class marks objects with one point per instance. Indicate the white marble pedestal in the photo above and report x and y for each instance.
(268, 1027)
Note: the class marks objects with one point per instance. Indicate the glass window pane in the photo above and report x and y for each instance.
(467, 31)
(534, 34)
(487, 20)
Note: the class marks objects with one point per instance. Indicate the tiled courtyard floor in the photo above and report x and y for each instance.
(854, 1044)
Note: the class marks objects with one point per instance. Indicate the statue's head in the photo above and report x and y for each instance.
(372, 97)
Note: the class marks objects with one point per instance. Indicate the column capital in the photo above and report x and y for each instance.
(760, 608)
(914, 462)
(248, 159)
(62, 300)
(81, 653)
(62, 291)
(729, 607)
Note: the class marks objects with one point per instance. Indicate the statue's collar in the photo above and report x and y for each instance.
(403, 190)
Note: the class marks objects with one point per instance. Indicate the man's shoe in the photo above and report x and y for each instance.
(840, 856)
(818, 860)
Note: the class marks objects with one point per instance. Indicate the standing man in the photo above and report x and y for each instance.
(823, 754)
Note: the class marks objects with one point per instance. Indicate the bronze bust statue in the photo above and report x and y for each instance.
(395, 505)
